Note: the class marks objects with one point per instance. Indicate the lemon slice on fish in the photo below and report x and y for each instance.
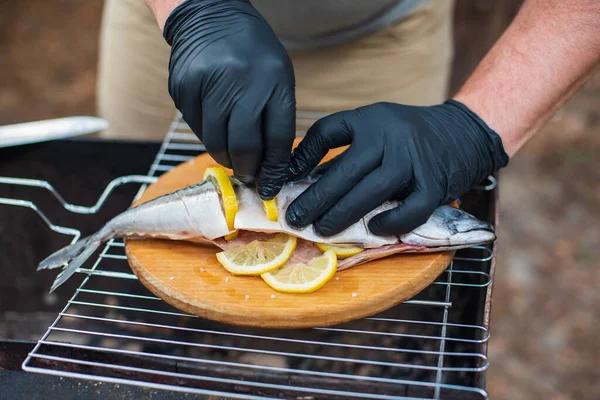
(301, 277)
(219, 177)
(340, 250)
(258, 256)
(271, 209)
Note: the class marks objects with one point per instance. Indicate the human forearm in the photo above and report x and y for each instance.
(161, 9)
(546, 54)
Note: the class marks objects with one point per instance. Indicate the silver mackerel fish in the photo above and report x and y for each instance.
(194, 213)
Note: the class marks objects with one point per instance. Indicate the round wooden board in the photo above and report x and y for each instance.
(188, 276)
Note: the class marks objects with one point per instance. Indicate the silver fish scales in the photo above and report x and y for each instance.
(194, 214)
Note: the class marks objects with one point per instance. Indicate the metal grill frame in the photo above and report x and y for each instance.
(180, 145)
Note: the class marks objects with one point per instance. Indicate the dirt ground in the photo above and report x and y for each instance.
(546, 302)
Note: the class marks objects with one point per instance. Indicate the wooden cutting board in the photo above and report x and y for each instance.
(188, 276)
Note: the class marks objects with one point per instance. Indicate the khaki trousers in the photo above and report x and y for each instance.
(408, 63)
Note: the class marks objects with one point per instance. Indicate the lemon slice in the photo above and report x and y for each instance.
(258, 256)
(229, 202)
(271, 209)
(340, 250)
(303, 278)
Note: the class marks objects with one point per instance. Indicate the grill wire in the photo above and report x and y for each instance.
(114, 330)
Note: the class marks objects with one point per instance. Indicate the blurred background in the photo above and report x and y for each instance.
(546, 308)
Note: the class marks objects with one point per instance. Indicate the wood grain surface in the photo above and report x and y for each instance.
(188, 276)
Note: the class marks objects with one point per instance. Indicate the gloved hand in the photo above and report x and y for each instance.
(425, 156)
(233, 82)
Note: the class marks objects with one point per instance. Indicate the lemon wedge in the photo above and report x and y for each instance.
(303, 278)
(258, 256)
(229, 202)
(271, 209)
(340, 250)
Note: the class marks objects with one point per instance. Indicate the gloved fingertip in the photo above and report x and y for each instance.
(267, 194)
(269, 188)
(375, 226)
(386, 224)
(221, 157)
(323, 229)
(401, 220)
(247, 179)
(298, 167)
(292, 171)
(293, 218)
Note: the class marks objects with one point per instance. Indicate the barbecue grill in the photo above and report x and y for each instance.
(433, 346)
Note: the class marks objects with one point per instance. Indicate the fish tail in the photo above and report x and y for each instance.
(72, 257)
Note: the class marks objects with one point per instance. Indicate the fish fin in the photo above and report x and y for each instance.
(63, 256)
(72, 257)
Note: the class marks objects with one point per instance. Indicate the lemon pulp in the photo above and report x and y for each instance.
(258, 256)
(303, 277)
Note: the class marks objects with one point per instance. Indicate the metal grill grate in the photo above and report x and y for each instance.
(114, 330)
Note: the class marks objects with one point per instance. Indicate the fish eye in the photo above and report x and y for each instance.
(455, 213)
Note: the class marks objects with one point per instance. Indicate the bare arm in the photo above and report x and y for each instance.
(546, 54)
(161, 9)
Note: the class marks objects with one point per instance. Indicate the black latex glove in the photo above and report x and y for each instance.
(426, 156)
(233, 82)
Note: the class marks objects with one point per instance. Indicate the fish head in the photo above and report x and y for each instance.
(450, 226)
